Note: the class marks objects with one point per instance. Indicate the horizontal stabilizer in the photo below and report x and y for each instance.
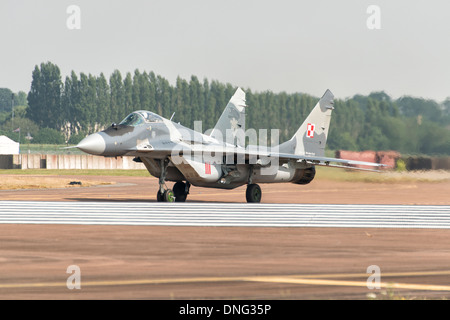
(345, 167)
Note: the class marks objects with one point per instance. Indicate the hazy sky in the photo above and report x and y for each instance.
(292, 46)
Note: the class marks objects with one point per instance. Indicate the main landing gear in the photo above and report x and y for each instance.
(181, 190)
(253, 193)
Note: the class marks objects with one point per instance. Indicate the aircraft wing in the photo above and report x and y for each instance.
(326, 161)
(256, 157)
(320, 161)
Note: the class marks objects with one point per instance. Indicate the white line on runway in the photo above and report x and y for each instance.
(224, 214)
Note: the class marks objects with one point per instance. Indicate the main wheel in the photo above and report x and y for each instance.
(169, 196)
(159, 197)
(179, 189)
(253, 193)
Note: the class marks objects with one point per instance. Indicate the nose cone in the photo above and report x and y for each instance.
(93, 144)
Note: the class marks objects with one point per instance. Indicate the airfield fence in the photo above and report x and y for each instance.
(47, 161)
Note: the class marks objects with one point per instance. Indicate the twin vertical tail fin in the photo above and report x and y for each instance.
(310, 139)
(231, 124)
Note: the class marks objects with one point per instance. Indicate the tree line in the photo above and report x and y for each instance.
(84, 103)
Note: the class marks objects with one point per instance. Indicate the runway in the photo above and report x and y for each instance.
(224, 214)
(301, 243)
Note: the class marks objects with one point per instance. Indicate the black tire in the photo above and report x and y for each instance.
(179, 190)
(169, 196)
(253, 193)
(160, 197)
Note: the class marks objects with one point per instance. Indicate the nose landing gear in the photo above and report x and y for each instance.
(180, 189)
(178, 194)
(166, 196)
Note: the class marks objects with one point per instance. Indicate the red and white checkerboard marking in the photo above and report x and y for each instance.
(310, 130)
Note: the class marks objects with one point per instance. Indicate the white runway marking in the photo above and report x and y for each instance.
(224, 214)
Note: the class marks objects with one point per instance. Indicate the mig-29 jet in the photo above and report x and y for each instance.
(221, 158)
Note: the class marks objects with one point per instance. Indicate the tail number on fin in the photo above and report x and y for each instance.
(310, 130)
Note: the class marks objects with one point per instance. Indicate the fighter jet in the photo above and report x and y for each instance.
(220, 158)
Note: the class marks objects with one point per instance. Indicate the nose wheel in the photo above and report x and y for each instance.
(178, 194)
(166, 196)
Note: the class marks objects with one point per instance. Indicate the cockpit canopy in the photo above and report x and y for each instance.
(140, 117)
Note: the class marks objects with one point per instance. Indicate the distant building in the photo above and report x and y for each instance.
(389, 158)
(8, 146)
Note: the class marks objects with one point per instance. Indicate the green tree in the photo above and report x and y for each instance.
(86, 103)
(49, 136)
(25, 125)
(103, 96)
(5, 99)
(128, 99)
(117, 97)
(136, 99)
(44, 98)
(196, 101)
(208, 107)
(413, 107)
(163, 97)
(144, 92)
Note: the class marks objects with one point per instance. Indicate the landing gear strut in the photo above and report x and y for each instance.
(164, 194)
(180, 189)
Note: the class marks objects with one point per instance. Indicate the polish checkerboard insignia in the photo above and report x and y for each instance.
(310, 130)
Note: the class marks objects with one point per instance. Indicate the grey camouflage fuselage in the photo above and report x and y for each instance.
(219, 159)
